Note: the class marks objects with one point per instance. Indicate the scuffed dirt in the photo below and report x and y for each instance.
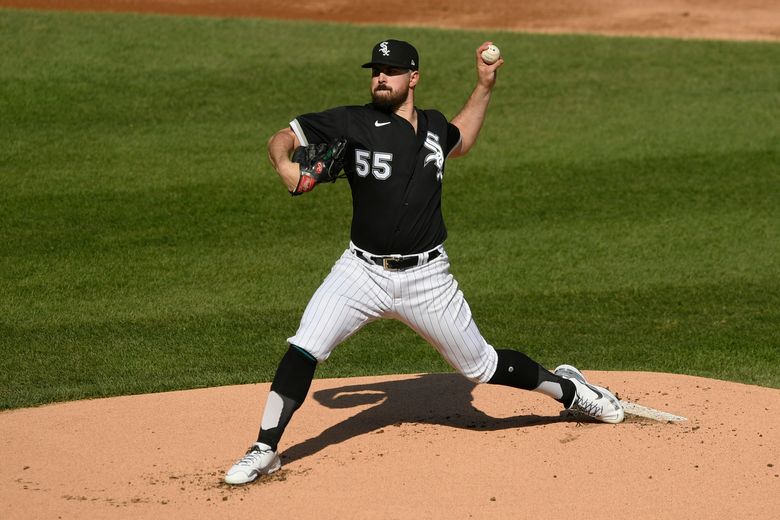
(417, 446)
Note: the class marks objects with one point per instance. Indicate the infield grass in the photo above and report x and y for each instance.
(620, 211)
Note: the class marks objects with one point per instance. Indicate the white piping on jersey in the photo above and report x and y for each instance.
(452, 149)
(298, 131)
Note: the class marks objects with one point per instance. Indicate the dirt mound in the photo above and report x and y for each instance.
(418, 446)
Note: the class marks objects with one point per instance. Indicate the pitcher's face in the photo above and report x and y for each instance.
(390, 86)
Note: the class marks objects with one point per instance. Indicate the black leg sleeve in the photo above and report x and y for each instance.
(517, 370)
(291, 385)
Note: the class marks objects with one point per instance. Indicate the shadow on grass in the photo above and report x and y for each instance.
(443, 399)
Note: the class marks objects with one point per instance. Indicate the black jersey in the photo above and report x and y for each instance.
(395, 174)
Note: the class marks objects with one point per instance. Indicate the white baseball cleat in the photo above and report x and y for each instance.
(259, 460)
(592, 400)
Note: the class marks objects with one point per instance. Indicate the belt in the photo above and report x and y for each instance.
(397, 262)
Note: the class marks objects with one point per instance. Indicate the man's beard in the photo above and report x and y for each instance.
(387, 100)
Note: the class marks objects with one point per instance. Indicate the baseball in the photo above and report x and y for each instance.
(491, 54)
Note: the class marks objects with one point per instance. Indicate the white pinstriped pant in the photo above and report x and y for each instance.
(426, 298)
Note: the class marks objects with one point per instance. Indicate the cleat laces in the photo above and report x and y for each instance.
(588, 407)
(252, 457)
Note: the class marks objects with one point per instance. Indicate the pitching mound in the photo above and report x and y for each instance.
(419, 446)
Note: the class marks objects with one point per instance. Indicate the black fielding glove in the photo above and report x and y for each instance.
(319, 163)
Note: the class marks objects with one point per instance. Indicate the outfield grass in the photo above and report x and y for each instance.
(621, 210)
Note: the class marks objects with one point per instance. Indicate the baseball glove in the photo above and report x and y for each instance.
(319, 163)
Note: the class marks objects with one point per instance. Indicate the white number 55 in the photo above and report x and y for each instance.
(378, 165)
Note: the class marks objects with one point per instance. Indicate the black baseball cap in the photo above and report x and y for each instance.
(395, 53)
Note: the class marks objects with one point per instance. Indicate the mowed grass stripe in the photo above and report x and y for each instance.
(619, 212)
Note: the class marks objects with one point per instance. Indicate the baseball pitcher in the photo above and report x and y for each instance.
(394, 156)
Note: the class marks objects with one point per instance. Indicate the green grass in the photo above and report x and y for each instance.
(621, 210)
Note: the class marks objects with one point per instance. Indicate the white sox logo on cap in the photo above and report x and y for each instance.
(394, 53)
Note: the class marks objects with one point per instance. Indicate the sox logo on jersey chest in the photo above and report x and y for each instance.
(436, 155)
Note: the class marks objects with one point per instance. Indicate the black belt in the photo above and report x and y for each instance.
(396, 263)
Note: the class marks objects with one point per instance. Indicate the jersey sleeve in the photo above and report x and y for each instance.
(453, 138)
(320, 127)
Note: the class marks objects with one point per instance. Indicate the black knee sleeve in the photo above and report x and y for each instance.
(294, 374)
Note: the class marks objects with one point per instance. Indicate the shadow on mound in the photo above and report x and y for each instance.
(442, 399)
